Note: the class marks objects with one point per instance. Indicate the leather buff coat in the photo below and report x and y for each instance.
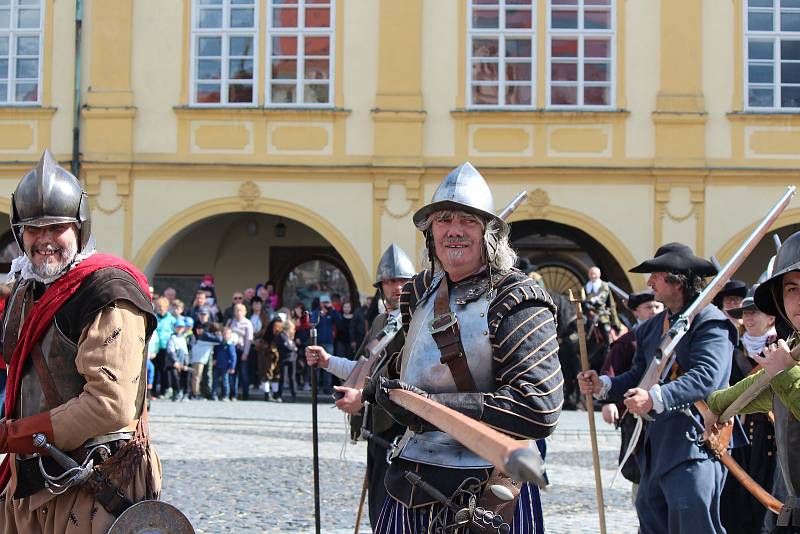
(523, 395)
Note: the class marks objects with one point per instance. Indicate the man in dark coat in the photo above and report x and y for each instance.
(681, 482)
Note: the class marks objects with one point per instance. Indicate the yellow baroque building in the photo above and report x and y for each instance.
(250, 138)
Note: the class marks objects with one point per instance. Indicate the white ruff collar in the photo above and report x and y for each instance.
(22, 265)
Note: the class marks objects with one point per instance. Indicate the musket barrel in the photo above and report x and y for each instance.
(513, 205)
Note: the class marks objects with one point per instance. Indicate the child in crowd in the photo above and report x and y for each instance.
(207, 337)
(224, 364)
(177, 358)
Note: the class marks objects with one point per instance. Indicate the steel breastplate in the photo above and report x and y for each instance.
(787, 438)
(59, 352)
(421, 366)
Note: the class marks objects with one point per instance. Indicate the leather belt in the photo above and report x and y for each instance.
(446, 332)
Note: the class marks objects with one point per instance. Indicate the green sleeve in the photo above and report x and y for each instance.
(721, 399)
(787, 386)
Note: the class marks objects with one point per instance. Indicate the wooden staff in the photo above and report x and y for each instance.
(312, 338)
(361, 503)
(598, 481)
(511, 456)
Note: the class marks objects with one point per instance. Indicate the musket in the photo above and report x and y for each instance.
(619, 291)
(665, 355)
(373, 350)
(598, 481)
(511, 456)
(513, 205)
(312, 338)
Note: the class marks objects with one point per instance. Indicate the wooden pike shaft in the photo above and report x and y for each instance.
(598, 481)
(360, 512)
(509, 455)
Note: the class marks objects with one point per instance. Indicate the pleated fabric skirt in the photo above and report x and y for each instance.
(397, 519)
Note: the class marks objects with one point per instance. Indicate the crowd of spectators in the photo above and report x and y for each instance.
(207, 351)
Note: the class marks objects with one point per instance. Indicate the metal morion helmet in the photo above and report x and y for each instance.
(49, 194)
(394, 263)
(769, 295)
(464, 189)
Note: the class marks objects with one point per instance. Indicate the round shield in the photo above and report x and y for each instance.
(152, 517)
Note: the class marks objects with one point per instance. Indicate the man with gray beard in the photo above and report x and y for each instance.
(480, 339)
(74, 336)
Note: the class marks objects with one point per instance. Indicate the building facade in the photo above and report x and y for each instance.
(247, 138)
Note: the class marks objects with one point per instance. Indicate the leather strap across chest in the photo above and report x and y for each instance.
(446, 332)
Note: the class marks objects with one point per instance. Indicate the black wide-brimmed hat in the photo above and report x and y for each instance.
(676, 258)
(635, 299)
(732, 288)
(747, 304)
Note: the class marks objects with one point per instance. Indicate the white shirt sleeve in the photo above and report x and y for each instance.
(604, 389)
(340, 367)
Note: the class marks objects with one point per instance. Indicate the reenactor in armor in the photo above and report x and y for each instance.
(394, 270)
(601, 302)
(480, 339)
(779, 296)
(74, 337)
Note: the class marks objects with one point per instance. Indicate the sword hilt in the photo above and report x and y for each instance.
(62, 459)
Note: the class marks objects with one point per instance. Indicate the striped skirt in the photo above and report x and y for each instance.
(397, 519)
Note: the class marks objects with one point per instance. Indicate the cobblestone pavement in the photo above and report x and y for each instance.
(246, 467)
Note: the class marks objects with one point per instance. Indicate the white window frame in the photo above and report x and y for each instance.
(225, 33)
(580, 33)
(501, 33)
(12, 33)
(776, 36)
(300, 32)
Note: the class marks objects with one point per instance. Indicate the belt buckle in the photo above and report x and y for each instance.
(451, 319)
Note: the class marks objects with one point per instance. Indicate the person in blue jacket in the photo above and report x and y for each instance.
(224, 364)
(681, 481)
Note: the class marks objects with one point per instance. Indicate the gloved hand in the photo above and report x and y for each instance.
(370, 387)
(397, 412)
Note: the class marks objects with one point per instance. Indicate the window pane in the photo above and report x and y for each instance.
(240, 93)
(28, 46)
(318, 17)
(486, 2)
(282, 94)
(209, 69)
(518, 72)
(564, 19)
(318, 1)
(596, 2)
(759, 74)
(597, 20)
(759, 21)
(790, 3)
(284, 18)
(759, 49)
(759, 97)
(240, 46)
(240, 69)
(317, 46)
(284, 46)
(759, 3)
(790, 73)
(790, 49)
(315, 94)
(518, 48)
(518, 18)
(518, 95)
(29, 68)
(3, 68)
(484, 71)
(595, 72)
(210, 2)
(285, 69)
(565, 2)
(209, 46)
(27, 92)
(484, 47)
(3, 92)
(790, 97)
(3, 46)
(596, 48)
(207, 93)
(317, 69)
(563, 96)
(484, 94)
(26, 2)
(790, 22)
(242, 18)
(210, 18)
(519, 2)
(595, 96)
(249, 2)
(4, 18)
(28, 18)
(485, 18)
(564, 48)
(564, 72)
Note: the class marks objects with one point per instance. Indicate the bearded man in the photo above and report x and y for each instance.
(74, 337)
(395, 268)
(481, 339)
